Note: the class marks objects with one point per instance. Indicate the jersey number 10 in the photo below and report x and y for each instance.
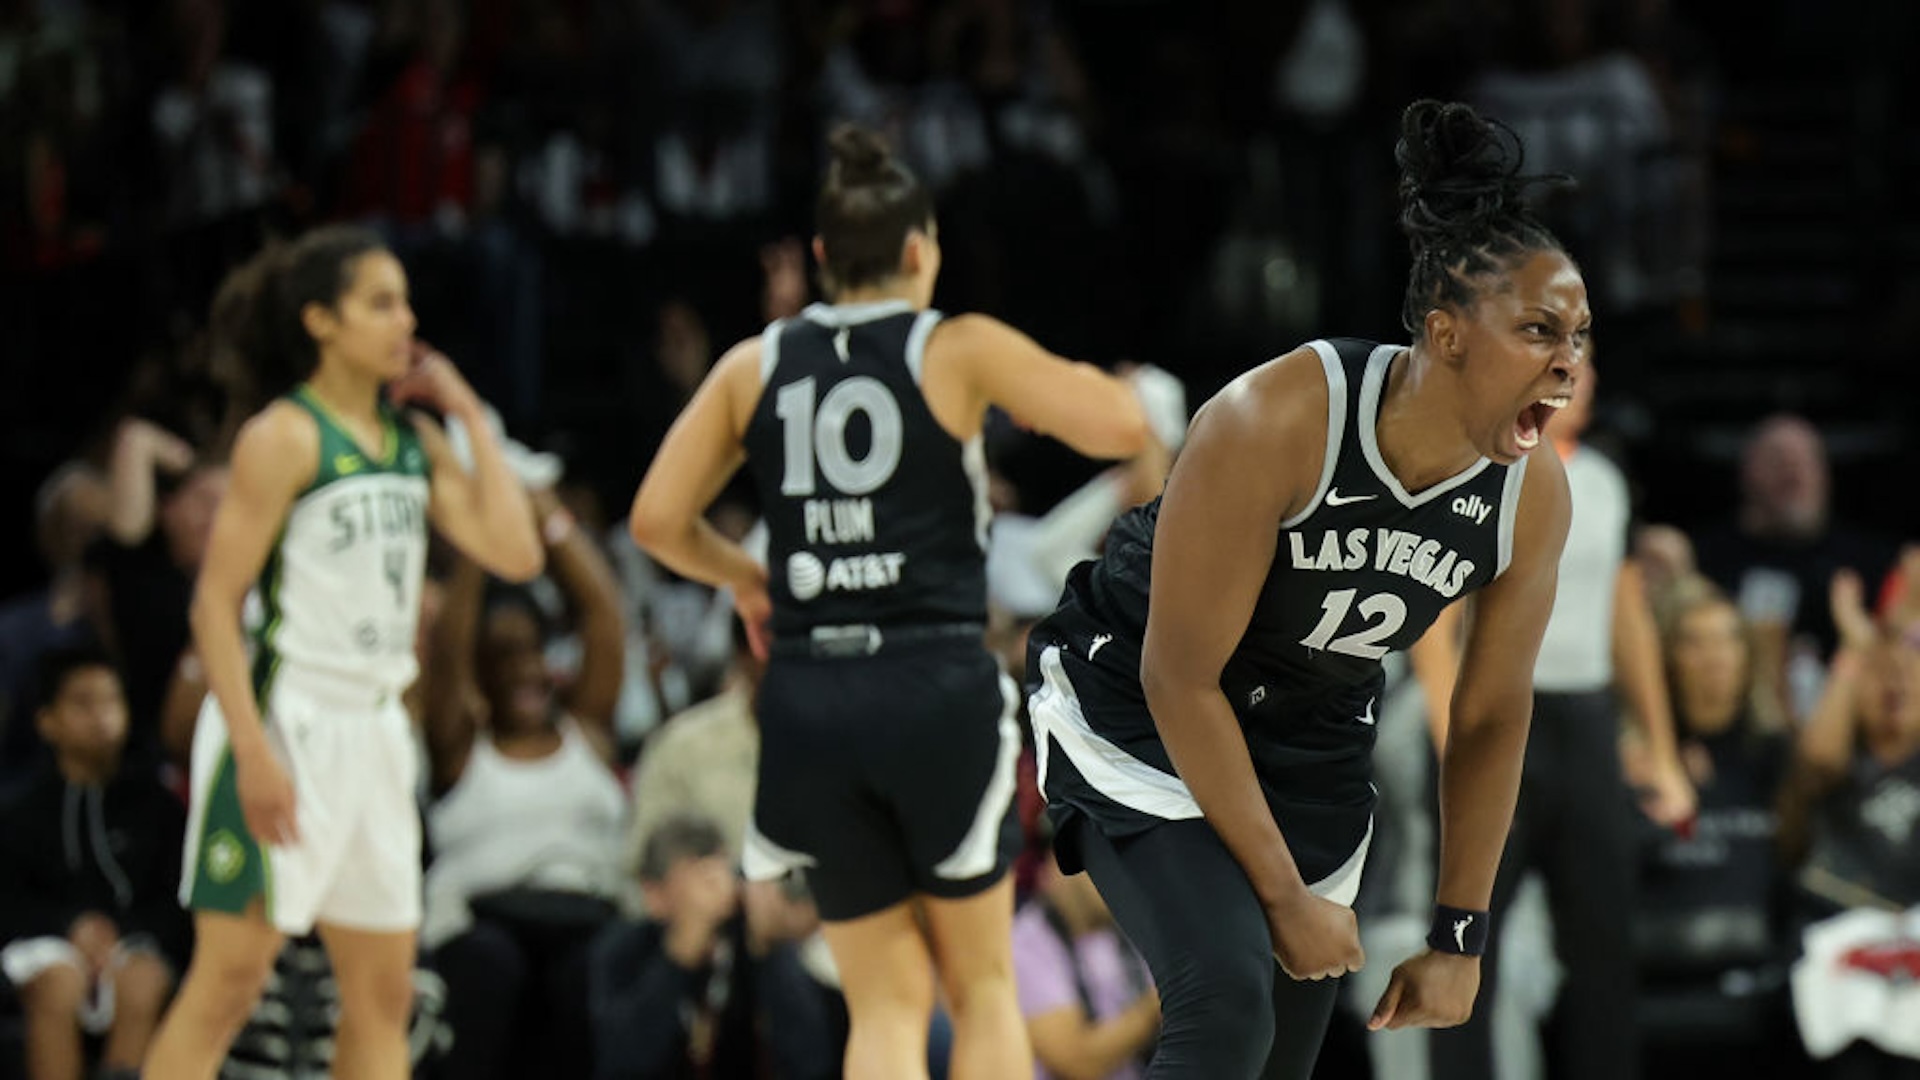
(821, 436)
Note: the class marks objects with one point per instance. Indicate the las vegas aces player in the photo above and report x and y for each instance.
(1203, 696)
(888, 740)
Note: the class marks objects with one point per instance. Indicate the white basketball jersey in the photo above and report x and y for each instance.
(340, 593)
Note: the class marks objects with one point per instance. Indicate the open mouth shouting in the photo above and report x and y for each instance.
(1532, 421)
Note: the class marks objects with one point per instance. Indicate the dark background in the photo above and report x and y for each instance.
(1193, 214)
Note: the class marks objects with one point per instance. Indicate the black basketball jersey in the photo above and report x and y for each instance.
(875, 513)
(1363, 570)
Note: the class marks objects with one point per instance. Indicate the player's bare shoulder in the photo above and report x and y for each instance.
(282, 435)
(1274, 418)
(740, 375)
(1273, 399)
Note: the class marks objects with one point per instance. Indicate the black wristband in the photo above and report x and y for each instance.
(1458, 931)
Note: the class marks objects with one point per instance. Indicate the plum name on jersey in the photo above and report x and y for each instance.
(1393, 551)
(839, 521)
(373, 515)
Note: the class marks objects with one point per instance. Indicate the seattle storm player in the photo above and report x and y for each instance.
(1203, 697)
(303, 816)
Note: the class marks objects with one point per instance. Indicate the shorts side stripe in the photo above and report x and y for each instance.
(1111, 771)
(763, 860)
(229, 866)
(979, 850)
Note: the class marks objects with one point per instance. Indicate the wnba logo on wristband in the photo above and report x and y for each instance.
(1458, 931)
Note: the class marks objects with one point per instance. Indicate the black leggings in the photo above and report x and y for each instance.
(517, 1001)
(1183, 901)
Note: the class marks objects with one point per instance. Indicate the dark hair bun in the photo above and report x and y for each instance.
(860, 156)
(1462, 204)
(1458, 171)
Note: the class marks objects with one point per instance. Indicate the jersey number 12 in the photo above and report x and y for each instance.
(1390, 610)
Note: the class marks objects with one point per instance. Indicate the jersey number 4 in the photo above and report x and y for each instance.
(1390, 610)
(820, 436)
(396, 572)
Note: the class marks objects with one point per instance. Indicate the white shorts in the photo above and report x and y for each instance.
(26, 959)
(350, 753)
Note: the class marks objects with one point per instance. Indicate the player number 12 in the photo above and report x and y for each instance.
(1389, 609)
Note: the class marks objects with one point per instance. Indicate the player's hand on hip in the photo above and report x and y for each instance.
(266, 799)
(1315, 938)
(1431, 990)
(755, 608)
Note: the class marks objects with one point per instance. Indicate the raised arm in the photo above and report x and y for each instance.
(1212, 550)
(1826, 744)
(1093, 412)
(1641, 677)
(274, 457)
(596, 599)
(140, 449)
(483, 512)
(451, 690)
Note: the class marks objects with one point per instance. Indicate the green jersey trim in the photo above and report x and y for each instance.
(266, 658)
(341, 456)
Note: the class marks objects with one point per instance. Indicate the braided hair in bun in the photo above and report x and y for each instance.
(1462, 205)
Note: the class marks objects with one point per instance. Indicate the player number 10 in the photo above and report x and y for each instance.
(822, 436)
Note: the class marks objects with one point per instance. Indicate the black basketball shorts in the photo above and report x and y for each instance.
(887, 775)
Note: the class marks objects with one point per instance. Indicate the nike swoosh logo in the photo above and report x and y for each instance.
(1367, 717)
(1334, 498)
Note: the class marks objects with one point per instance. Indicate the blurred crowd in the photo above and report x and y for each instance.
(1773, 925)
(585, 189)
(593, 198)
